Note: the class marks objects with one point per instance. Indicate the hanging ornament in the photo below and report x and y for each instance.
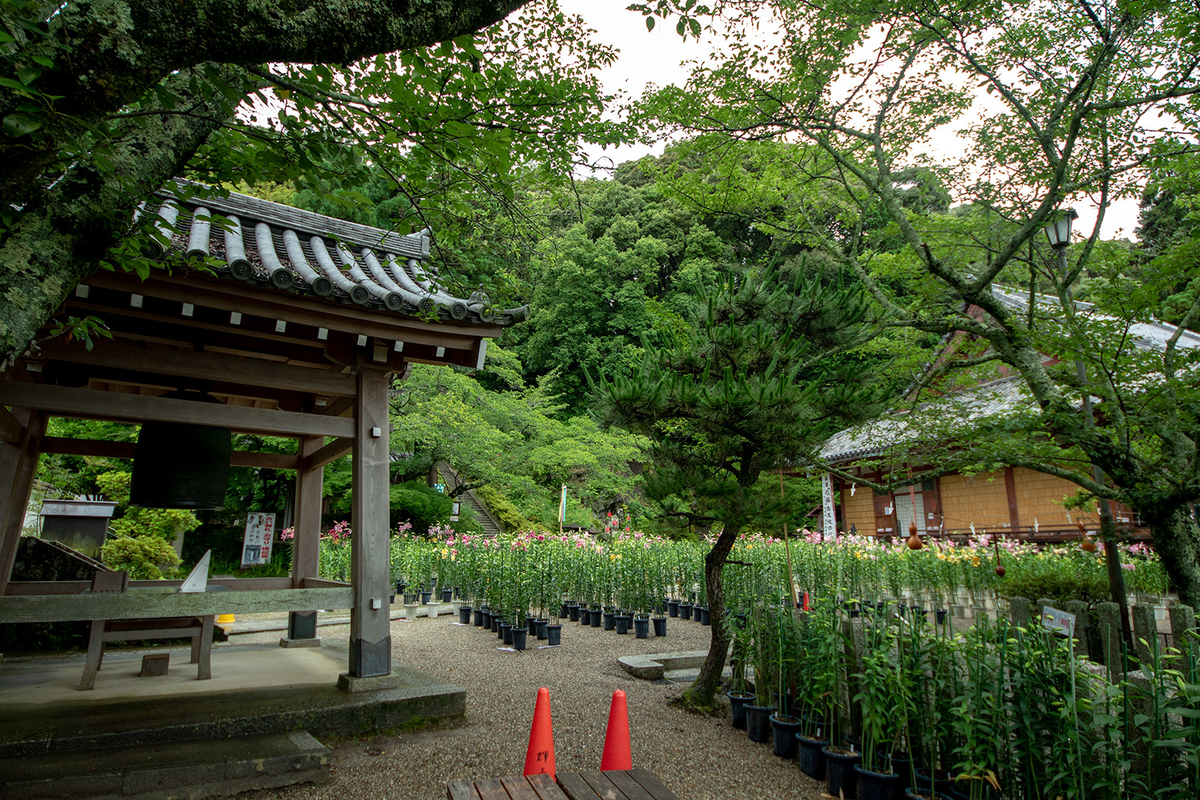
(996, 545)
(914, 541)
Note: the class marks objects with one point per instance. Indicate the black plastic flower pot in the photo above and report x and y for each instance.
(902, 765)
(704, 618)
(685, 611)
(673, 608)
(563, 611)
(464, 615)
(641, 628)
(518, 636)
(928, 781)
(783, 734)
(660, 626)
(812, 760)
(448, 595)
(925, 794)
(572, 612)
(622, 623)
(486, 622)
(506, 632)
(425, 598)
(595, 614)
(737, 708)
(495, 623)
(876, 785)
(478, 620)
(840, 778)
(758, 723)
(539, 628)
(553, 635)
(941, 616)
(609, 622)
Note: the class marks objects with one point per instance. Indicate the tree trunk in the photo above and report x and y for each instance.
(700, 696)
(1177, 541)
(70, 228)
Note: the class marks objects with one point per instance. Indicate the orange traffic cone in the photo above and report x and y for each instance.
(616, 740)
(540, 756)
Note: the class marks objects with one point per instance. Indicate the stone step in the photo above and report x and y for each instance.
(191, 769)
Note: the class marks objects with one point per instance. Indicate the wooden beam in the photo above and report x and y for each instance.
(203, 366)
(370, 627)
(89, 404)
(147, 603)
(26, 588)
(58, 445)
(339, 407)
(329, 453)
(18, 465)
(306, 544)
(315, 312)
(11, 428)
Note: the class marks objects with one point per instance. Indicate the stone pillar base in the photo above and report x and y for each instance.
(314, 641)
(348, 683)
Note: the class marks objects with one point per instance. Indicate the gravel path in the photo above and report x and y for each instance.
(698, 758)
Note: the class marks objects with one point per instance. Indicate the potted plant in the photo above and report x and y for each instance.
(740, 654)
(784, 724)
(882, 702)
(762, 655)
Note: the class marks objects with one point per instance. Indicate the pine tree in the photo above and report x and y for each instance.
(763, 374)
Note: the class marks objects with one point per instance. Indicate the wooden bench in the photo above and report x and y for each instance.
(633, 784)
(198, 629)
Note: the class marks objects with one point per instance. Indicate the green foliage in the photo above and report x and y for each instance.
(166, 524)
(143, 557)
(503, 510)
(1069, 575)
(513, 439)
(419, 504)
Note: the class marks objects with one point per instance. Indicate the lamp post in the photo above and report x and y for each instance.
(1059, 234)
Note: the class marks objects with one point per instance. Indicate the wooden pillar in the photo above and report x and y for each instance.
(1014, 507)
(306, 544)
(370, 634)
(18, 463)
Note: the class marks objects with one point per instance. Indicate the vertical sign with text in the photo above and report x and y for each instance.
(260, 534)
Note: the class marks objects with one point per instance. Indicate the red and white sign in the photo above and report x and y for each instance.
(260, 535)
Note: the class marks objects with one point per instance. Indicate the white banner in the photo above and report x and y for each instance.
(260, 535)
(828, 515)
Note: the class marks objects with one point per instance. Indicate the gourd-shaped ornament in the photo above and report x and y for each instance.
(914, 540)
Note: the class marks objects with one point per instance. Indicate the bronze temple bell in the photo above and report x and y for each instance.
(176, 465)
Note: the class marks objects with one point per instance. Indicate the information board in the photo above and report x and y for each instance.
(260, 535)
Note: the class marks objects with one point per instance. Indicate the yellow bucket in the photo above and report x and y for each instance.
(224, 619)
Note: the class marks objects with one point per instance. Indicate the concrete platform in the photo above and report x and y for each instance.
(655, 666)
(202, 768)
(255, 689)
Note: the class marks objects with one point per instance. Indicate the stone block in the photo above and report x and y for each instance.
(1108, 624)
(1021, 609)
(1183, 619)
(155, 664)
(1145, 633)
(1080, 610)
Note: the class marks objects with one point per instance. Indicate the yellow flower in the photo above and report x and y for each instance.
(975, 560)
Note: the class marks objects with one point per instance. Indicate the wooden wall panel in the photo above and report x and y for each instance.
(982, 500)
(858, 510)
(1041, 498)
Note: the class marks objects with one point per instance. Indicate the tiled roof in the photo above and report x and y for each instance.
(984, 401)
(965, 407)
(272, 245)
(1152, 335)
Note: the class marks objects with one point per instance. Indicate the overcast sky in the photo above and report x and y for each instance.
(655, 57)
